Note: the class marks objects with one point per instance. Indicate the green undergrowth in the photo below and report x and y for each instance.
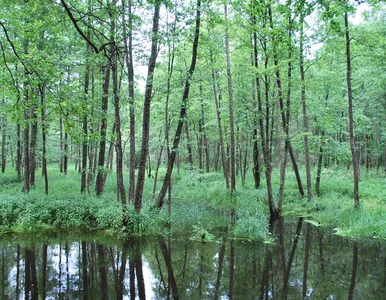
(202, 208)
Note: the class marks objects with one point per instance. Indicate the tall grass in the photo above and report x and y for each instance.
(201, 205)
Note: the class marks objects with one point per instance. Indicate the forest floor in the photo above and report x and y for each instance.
(201, 206)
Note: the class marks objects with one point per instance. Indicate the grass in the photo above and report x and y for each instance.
(201, 207)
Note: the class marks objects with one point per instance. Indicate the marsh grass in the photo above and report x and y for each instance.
(201, 205)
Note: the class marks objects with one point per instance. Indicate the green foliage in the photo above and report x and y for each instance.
(253, 227)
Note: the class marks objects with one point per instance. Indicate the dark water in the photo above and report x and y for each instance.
(306, 262)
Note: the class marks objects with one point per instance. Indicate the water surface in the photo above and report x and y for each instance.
(305, 262)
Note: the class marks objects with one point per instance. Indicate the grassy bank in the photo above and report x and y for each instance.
(201, 208)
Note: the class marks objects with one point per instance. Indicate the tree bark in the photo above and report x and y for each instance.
(217, 97)
(182, 116)
(230, 101)
(44, 136)
(304, 109)
(100, 180)
(4, 137)
(83, 183)
(355, 161)
(264, 133)
(118, 139)
(128, 42)
(146, 109)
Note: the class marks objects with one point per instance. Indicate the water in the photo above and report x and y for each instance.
(305, 262)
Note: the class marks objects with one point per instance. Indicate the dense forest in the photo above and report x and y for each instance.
(140, 91)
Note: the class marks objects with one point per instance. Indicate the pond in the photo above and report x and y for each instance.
(303, 262)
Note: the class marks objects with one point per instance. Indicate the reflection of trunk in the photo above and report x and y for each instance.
(306, 260)
(103, 272)
(320, 238)
(231, 268)
(44, 272)
(171, 279)
(132, 277)
(183, 108)
(292, 256)
(17, 271)
(354, 271)
(121, 275)
(31, 282)
(139, 273)
(85, 271)
(354, 154)
(219, 273)
(264, 290)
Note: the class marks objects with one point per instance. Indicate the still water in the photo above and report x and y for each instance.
(304, 262)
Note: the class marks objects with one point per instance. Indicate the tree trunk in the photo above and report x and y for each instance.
(264, 133)
(304, 108)
(118, 139)
(18, 151)
(181, 119)
(4, 137)
(217, 97)
(230, 99)
(320, 160)
(100, 180)
(355, 161)
(44, 137)
(128, 42)
(85, 149)
(146, 109)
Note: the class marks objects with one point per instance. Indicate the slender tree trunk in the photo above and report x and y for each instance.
(85, 145)
(100, 180)
(304, 108)
(319, 169)
(264, 133)
(44, 136)
(146, 109)
(118, 138)
(284, 112)
(355, 161)
(128, 42)
(182, 117)
(66, 152)
(26, 163)
(217, 97)
(230, 99)
(4, 137)
(18, 150)
(61, 143)
(188, 144)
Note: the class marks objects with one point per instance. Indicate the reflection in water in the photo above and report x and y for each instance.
(304, 263)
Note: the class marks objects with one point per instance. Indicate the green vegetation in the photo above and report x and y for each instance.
(201, 207)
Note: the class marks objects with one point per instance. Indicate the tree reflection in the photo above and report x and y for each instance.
(354, 271)
(303, 262)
